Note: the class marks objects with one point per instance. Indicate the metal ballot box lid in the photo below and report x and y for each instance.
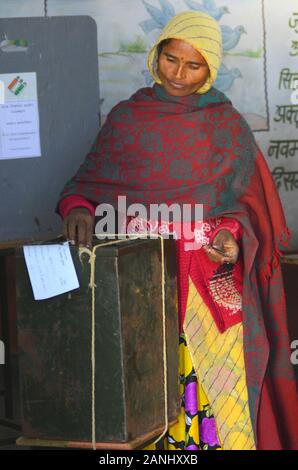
(55, 342)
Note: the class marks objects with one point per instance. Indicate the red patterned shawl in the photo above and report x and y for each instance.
(155, 148)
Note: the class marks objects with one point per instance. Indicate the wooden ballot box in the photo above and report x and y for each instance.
(125, 404)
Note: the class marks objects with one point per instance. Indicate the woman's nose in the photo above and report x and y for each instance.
(180, 72)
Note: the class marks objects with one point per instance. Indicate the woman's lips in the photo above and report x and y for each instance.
(178, 86)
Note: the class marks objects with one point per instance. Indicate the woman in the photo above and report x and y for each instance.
(183, 142)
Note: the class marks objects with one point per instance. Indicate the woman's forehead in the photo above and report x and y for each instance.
(178, 47)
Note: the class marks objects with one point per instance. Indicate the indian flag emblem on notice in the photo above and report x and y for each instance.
(17, 85)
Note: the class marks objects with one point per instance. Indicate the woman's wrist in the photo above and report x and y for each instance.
(230, 225)
(74, 201)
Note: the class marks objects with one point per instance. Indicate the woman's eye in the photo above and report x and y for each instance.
(194, 67)
(170, 59)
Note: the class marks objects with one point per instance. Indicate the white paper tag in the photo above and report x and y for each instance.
(51, 270)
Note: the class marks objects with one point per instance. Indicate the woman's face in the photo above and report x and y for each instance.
(181, 68)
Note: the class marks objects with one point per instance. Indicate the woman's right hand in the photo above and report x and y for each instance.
(78, 227)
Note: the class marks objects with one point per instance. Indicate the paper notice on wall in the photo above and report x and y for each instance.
(51, 270)
(19, 116)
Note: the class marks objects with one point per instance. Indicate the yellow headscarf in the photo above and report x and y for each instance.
(199, 30)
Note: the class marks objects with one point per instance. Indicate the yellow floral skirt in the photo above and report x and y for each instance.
(214, 400)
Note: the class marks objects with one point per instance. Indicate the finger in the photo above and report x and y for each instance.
(89, 233)
(216, 251)
(224, 251)
(232, 254)
(232, 259)
(213, 255)
(229, 249)
(65, 229)
(217, 257)
(72, 223)
(81, 231)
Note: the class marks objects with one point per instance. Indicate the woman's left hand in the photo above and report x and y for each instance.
(224, 248)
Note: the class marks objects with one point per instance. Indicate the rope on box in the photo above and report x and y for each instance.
(92, 285)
